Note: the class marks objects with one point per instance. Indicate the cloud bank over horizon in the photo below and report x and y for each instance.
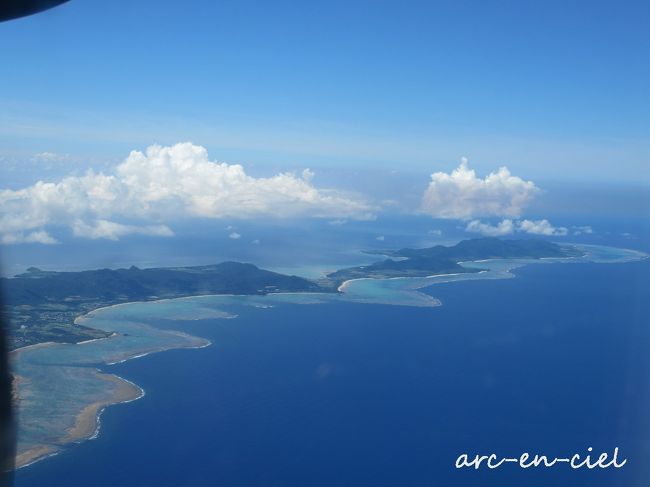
(163, 184)
(462, 195)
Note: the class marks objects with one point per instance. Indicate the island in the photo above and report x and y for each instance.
(447, 260)
(43, 305)
(53, 346)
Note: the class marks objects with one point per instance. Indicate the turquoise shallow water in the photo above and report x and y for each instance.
(59, 380)
(403, 291)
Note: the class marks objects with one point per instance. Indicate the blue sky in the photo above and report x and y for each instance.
(335, 111)
(553, 90)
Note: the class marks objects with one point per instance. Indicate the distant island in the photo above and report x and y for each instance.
(446, 260)
(43, 305)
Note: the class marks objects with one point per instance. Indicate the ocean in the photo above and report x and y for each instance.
(553, 362)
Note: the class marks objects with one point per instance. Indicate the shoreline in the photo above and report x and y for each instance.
(88, 421)
(33, 455)
(140, 355)
(345, 284)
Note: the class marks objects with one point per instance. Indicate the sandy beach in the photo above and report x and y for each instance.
(34, 454)
(87, 420)
(345, 284)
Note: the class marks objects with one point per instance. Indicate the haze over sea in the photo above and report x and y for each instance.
(344, 393)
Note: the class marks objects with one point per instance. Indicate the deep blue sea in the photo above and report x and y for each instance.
(343, 394)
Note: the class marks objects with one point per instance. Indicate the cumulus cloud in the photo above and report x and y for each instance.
(234, 236)
(542, 227)
(381, 238)
(463, 195)
(508, 227)
(183, 178)
(505, 227)
(162, 184)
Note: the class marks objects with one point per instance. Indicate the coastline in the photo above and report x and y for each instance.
(87, 423)
(140, 355)
(346, 284)
(33, 455)
(88, 420)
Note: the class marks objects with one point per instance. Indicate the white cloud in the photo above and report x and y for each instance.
(40, 236)
(162, 184)
(381, 238)
(541, 227)
(234, 236)
(435, 232)
(183, 178)
(463, 195)
(508, 227)
(256, 241)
